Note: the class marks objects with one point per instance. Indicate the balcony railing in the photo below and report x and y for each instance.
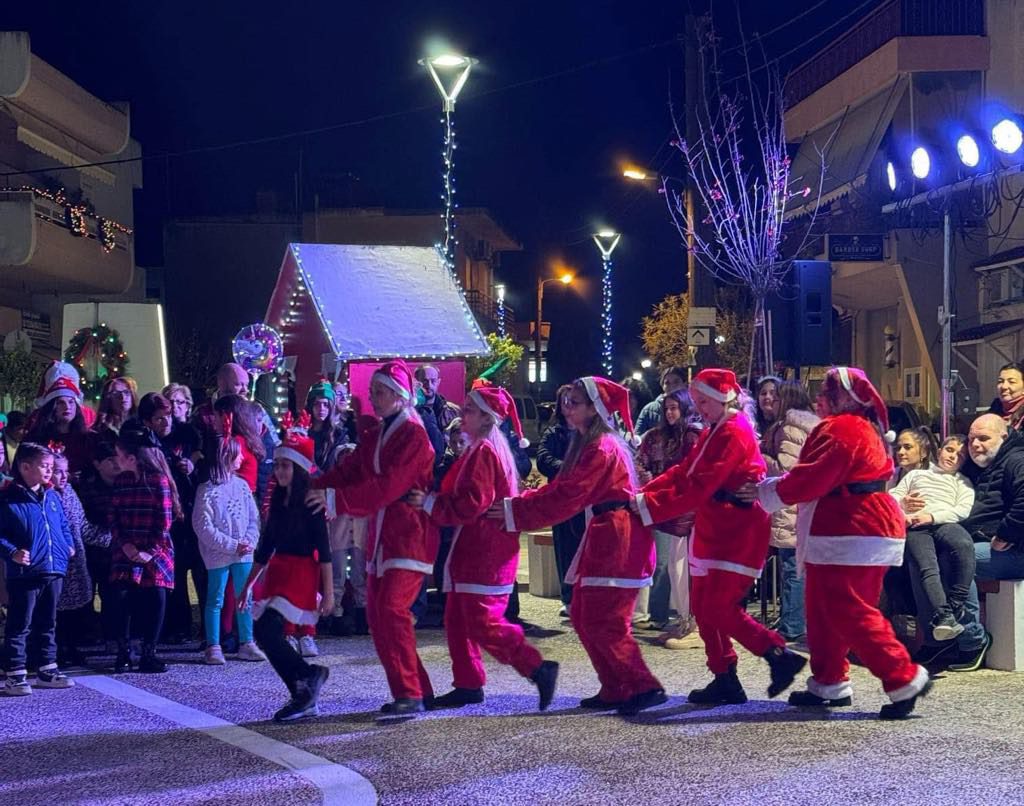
(893, 19)
(485, 308)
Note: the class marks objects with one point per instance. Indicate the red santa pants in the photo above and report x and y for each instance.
(603, 621)
(842, 614)
(717, 601)
(474, 622)
(389, 598)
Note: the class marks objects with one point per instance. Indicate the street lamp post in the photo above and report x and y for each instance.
(606, 241)
(565, 279)
(456, 69)
(499, 289)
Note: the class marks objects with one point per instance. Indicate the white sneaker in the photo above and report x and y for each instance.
(249, 651)
(214, 656)
(53, 678)
(17, 685)
(293, 642)
(308, 647)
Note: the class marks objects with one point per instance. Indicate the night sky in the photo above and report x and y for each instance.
(564, 93)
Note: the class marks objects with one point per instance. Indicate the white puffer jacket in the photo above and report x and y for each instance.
(781, 447)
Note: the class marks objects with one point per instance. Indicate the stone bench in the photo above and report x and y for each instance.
(1004, 619)
(541, 559)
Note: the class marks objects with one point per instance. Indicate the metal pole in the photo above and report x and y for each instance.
(536, 334)
(945, 320)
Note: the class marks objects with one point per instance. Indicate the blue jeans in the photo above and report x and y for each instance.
(660, 598)
(791, 623)
(31, 621)
(218, 580)
(998, 564)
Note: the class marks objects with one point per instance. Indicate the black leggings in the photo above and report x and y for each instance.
(269, 634)
(924, 545)
(141, 609)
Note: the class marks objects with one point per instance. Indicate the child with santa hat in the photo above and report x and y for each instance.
(481, 565)
(616, 555)
(849, 531)
(730, 538)
(393, 457)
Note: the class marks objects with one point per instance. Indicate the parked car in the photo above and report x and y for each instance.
(526, 408)
(902, 415)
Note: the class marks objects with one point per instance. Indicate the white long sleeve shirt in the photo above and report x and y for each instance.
(948, 496)
(224, 516)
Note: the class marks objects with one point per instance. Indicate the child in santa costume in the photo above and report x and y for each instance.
(616, 555)
(730, 538)
(392, 457)
(296, 554)
(481, 565)
(849, 531)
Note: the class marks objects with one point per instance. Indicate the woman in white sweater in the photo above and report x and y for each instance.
(227, 524)
(930, 498)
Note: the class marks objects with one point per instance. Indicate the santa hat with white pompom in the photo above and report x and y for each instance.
(498, 403)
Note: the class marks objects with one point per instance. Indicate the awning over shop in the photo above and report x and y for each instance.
(970, 335)
(849, 145)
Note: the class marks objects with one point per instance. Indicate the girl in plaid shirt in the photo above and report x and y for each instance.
(145, 502)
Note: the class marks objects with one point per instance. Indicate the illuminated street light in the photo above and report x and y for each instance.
(646, 363)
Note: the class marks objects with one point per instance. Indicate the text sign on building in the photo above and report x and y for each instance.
(851, 248)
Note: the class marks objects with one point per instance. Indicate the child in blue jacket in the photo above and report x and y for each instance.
(36, 542)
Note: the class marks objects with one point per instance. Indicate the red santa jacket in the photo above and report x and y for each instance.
(371, 481)
(617, 550)
(483, 557)
(834, 525)
(727, 535)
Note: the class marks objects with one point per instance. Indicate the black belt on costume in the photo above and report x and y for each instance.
(609, 506)
(726, 497)
(861, 487)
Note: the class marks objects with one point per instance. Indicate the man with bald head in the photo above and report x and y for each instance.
(995, 466)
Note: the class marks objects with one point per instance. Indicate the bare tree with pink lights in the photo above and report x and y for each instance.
(738, 169)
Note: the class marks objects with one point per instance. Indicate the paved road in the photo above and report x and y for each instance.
(201, 735)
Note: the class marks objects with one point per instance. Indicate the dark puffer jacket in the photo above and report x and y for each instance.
(36, 523)
(998, 509)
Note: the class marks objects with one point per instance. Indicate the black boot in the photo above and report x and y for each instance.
(150, 663)
(903, 708)
(725, 689)
(546, 678)
(457, 698)
(785, 665)
(595, 703)
(402, 706)
(805, 699)
(361, 626)
(647, 699)
(123, 661)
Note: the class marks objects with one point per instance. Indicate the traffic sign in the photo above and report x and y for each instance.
(698, 336)
(701, 317)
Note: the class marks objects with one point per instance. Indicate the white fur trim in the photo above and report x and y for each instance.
(595, 398)
(482, 590)
(428, 503)
(889, 436)
(847, 382)
(854, 550)
(510, 520)
(524, 443)
(832, 691)
(699, 567)
(295, 615)
(645, 513)
(478, 398)
(913, 688)
(405, 564)
(615, 582)
(714, 394)
(283, 452)
(392, 384)
(768, 497)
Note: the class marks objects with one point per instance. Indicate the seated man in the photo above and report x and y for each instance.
(996, 524)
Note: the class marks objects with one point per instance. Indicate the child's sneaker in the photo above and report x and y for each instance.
(249, 651)
(52, 677)
(293, 642)
(308, 647)
(214, 656)
(17, 685)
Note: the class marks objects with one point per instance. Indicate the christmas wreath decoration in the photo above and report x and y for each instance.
(98, 355)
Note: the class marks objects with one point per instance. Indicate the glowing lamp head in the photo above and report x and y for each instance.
(1007, 136)
(890, 176)
(638, 376)
(646, 363)
(920, 162)
(607, 233)
(968, 151)
(635, 173)
(565, 279)
(449, 61)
